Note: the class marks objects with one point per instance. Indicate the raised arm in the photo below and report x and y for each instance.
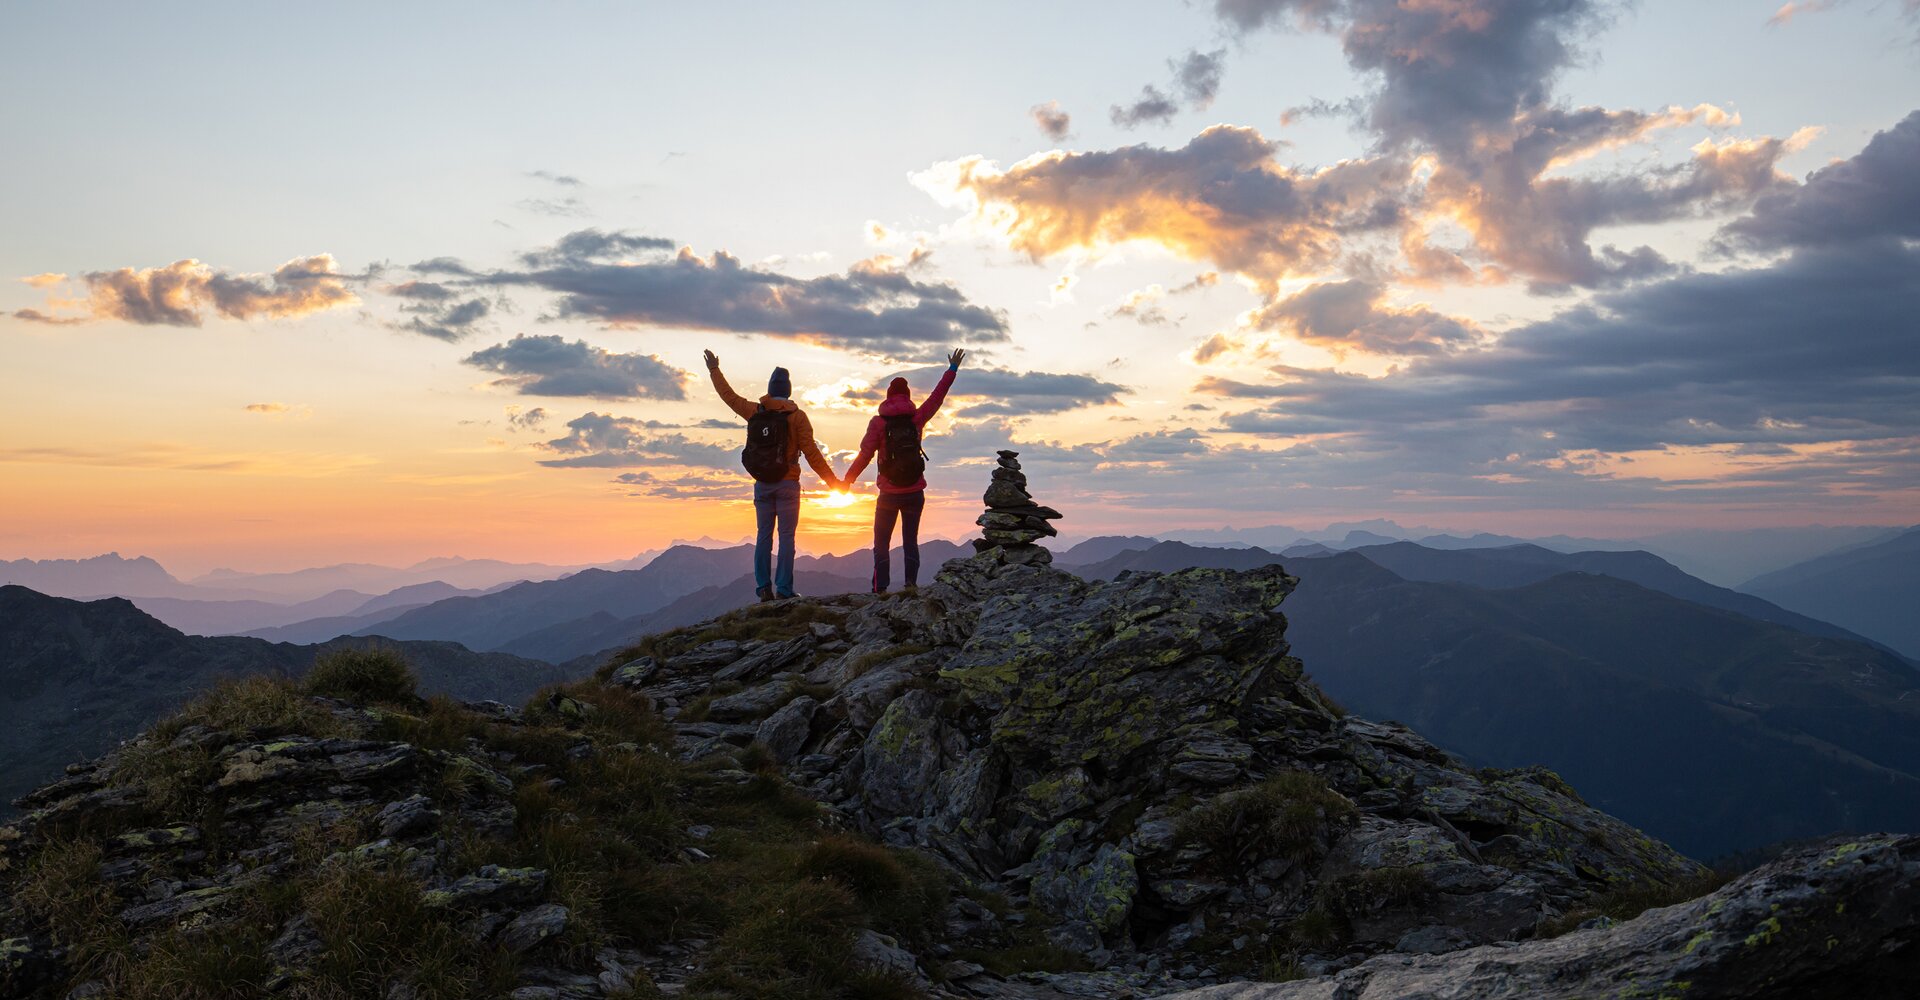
(739, 404)
(931, 405)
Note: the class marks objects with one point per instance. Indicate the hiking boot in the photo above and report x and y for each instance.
(765, 594)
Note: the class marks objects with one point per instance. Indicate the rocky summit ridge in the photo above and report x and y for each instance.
(1011, 782)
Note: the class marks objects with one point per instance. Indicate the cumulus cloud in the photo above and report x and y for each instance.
(1151, 108)
(1197, 74)
(1221, 198)
(872, 307)
(1052, 122)
(1196, 79)
(564, 180)
(437, 309)
(999, 392)
(1468, 138)
(555, 366)
(1697, 361)
(185, 292)
(267, 408)
(605, 441)
(1355, 314)
(1872, 195)
(1724, 365)
(622, 279)
(590, 245)
(449, 323)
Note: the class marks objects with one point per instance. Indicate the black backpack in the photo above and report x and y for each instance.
(765, 456)
(901, 460)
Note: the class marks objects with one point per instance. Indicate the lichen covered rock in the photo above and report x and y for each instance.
(1840, 920)
(1142, 766)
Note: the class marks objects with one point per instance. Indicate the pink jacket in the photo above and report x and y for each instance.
(899, 401)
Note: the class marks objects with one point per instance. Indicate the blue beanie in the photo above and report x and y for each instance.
(780, 386)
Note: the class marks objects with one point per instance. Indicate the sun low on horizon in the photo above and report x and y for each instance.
(440, 282)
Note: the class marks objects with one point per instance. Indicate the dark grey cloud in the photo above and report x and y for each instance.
(564, 180)
(441, 318)
(686, 486)
(423, 291)
(1151, 108)
(1196, 79)
(451, 266)
(592, 245)
(870, 308)
(1157, 446)
(604, 441)
(1448, 71)
(995, 392)
(555, 366)
(624, 279)
(1052, 122)
(1873, 194)
(1197, 74)
(1816, 351)
(966, 448)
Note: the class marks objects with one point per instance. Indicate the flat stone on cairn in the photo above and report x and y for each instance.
(1013, 522)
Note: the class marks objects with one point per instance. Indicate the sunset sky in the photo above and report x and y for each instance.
(290, 286)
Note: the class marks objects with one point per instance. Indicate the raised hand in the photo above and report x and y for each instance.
(954, 359)
(713, 360)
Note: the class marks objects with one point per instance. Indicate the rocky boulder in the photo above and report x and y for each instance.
(1142, 766)
(1842, 920)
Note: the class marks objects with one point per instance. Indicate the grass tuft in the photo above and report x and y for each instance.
(376, 675)
(1287, 815)
(1627, 901)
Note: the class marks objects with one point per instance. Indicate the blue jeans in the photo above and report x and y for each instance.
(775, 503)
(907, 506)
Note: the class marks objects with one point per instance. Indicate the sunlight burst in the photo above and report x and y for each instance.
(836, 499)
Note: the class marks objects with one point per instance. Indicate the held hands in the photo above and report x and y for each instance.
(953, 360)
(713, 360)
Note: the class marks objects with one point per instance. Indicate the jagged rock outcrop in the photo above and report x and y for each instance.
(1014, 521)
(1114, 789)
(1842, 920)
(1141, 763)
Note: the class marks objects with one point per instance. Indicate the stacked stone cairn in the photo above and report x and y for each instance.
(1013, 522)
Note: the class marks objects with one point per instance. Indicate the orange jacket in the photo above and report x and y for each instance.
(799, 428)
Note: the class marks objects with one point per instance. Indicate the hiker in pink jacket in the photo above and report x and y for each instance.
(895, 435)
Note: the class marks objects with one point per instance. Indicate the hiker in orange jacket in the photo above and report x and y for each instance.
(784, 434)
(895, 434)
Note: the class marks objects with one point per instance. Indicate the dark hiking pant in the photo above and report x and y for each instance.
(907, 507)
(775, 504)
